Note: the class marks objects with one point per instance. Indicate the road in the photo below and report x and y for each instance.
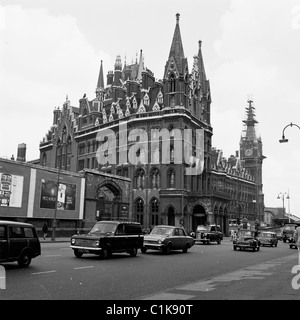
(213, 272)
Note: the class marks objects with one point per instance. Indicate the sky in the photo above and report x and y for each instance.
(51, 50)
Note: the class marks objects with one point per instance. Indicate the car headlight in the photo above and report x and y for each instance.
(96, 243)
(73, 241)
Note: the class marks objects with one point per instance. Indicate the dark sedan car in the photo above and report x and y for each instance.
(246, 239)
(268, 238)
(167, 238)
(208, 234)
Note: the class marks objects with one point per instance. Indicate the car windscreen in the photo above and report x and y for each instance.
(100, 228)
(201, 228)
(245, 233)
(162, 231)
(266, 235)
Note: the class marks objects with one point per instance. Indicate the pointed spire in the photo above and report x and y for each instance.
(141, 66)
(250, 122)
(202, 74)
(176, 50)
(100, 83)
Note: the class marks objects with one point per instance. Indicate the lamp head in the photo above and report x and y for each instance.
(283, 140)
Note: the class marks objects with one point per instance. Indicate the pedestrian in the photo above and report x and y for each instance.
(45, 230)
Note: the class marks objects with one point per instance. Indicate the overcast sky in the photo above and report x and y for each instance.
(251, 49)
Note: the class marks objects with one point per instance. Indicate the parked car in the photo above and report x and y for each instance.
(246, 239)
(292, 243)
(18, 242)
(268, 238)
(167, 238)
(107, 237)
(208, 234)
(288, 231)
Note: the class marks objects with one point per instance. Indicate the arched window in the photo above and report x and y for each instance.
(154, 207)
(155, 178)
(139, 210)
(140, 179)
(171, 178)
(172, 82)
(44, 159)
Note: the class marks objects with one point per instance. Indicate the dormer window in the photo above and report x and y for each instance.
(146, 100)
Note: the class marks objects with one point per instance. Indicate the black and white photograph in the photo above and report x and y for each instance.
(149, 153)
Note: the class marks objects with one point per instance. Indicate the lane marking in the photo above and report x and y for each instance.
(86, 267)
(43, 272)
(52, 255)
(169, 296)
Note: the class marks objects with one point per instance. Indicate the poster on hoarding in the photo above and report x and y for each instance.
(65, 196)
(11, 190)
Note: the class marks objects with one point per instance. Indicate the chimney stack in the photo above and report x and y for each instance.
(21, 152)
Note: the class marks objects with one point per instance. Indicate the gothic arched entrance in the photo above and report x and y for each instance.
(171, 216)
(199, 216)
(108, 201)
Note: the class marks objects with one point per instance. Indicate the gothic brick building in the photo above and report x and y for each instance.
(161, 191)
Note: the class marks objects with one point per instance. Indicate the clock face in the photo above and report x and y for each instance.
(248, 152)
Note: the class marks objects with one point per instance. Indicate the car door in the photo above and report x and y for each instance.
(17, 242)
(3, 243)
(119, 240)
(176, 239)
(183, 239)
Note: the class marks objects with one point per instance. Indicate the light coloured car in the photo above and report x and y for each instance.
(166, 238)
(268, 238)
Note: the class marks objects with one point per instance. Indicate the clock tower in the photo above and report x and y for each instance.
(251, 155)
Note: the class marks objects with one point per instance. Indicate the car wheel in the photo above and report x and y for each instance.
(24, 260)
(275, 245)
(143, 250)
(133, 252)
(234, 248)
(258, 248)
(219, 241)
(77, 253)
(106, 253)
(185, 249)
(167, 249)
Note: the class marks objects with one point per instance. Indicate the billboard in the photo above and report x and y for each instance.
(65, 197)
(11, 190)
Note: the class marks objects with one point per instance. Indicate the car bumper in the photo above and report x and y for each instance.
(86, 249)
(154, 246)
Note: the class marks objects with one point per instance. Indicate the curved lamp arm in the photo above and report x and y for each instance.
(283, 140)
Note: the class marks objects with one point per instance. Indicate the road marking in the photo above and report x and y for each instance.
(52, 255)
(169, 296)
(86, 267)
(42, 272)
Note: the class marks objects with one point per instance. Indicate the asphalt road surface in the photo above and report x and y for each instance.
(211, 272)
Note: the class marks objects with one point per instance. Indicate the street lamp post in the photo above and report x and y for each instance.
(60, 144)
(284, 140)
(56, 202)
(281, 196)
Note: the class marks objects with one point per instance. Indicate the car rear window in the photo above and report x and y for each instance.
(15, 232)
(2, 232)
(133, 229)
(28, 233)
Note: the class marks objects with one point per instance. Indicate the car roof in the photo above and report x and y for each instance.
(118, 222)
(15, 223)
(166, 226)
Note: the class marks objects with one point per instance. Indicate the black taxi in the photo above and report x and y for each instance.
(107, 237)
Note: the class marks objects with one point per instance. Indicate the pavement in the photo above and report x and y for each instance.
(57, 239)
